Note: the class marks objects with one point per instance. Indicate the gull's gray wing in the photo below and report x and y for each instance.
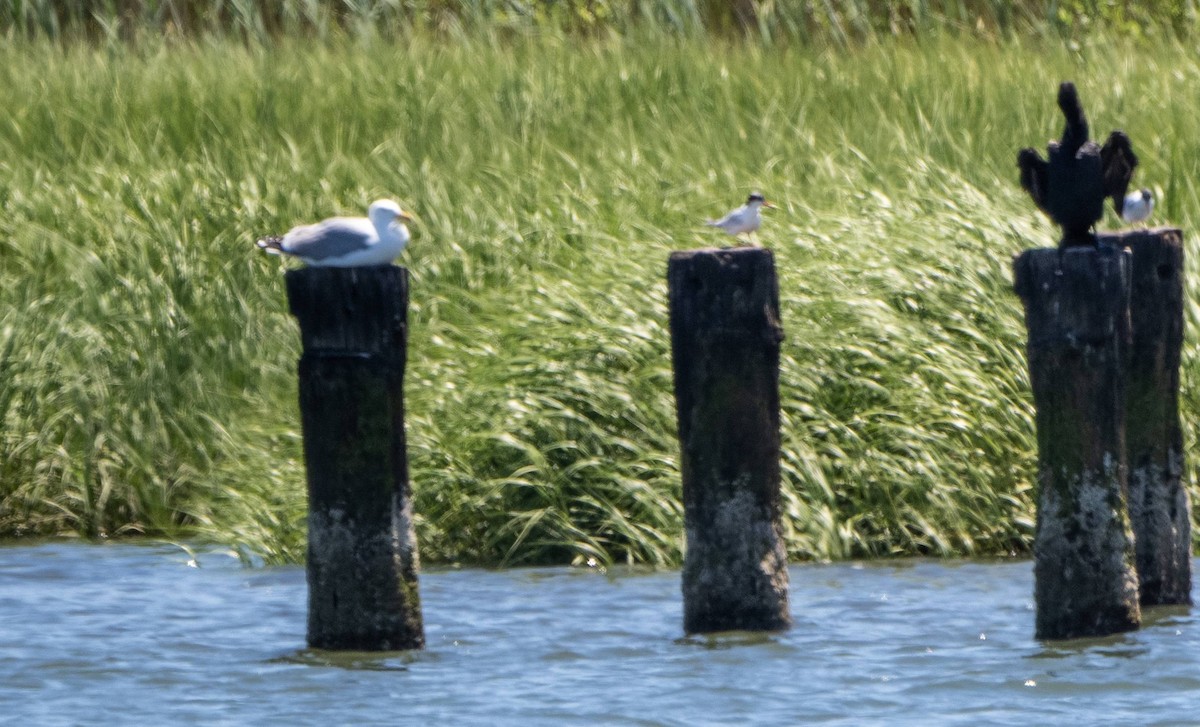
(329, 239)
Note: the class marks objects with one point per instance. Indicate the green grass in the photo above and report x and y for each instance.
(835, 22)
(147, 360)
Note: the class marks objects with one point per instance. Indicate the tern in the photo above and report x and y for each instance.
(1137, 206)
(745, 218)
(346, 242)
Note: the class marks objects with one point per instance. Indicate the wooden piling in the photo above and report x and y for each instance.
(1159, 510)
(1076, 312)
(362, 550)
(725, 338)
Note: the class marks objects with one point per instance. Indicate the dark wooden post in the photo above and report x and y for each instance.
(362, 550)
(725, 336)
(1076, 312)
(1158, 503)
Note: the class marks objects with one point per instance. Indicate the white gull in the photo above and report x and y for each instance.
(346, 242)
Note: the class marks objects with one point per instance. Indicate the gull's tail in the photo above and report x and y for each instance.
(272, 244)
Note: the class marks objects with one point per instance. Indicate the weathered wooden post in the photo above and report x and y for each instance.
(1158, 503)
(725, 337)
(1076, 302)
(362, 550)
(1076, 312)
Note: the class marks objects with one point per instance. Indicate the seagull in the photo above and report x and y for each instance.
(346, 242)
(745, 218)
(1138, 206)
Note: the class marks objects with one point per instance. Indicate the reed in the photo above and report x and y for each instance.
(836, 22)
(147, 380)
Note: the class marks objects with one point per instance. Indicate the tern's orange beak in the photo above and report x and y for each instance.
(769, 206)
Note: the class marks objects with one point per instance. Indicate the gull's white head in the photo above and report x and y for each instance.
(383, 212)
(1138, 206)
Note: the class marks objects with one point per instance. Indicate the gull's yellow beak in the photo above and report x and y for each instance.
(406, 216)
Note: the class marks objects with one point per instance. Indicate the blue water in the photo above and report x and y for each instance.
(150, 634)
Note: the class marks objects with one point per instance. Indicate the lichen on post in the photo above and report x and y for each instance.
(1159, 509)
(725, 338)
(362, 550)
(1076, 312)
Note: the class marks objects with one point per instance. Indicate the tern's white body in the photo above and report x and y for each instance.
(744, 219)
(346, 242)
(1138, 206)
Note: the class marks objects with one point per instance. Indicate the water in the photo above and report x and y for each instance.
(145, 634)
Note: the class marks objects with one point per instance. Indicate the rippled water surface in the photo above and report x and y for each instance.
(147, 634)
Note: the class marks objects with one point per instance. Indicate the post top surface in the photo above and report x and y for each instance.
(1173, 234)
(720, 252)
(360, 309)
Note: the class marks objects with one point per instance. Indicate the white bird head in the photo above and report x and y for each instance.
(383, 212)
(1137, 206)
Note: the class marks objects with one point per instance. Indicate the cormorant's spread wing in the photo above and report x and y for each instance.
(1033, 176)
(1117, 161)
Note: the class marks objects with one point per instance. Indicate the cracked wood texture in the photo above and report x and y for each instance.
(1159, 509)
(725, 338)
(1076, 313)
(362, 549)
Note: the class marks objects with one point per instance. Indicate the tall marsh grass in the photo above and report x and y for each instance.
(831, 22)
(147, 379)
